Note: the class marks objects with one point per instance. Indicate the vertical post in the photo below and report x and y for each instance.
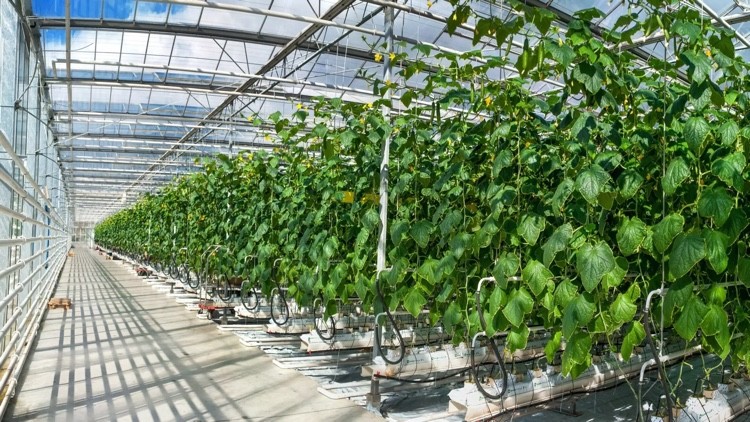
(373, 398)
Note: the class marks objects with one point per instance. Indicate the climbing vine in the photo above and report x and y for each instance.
(625, 176)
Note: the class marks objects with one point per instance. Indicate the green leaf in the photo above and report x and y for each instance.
(695, 131)
(699, 66)
(728, 132)
(591, 182)
(565, 292)
(593, 261)
(623, 308)
(577, 313)
(536, 276)
(398, 229)
(428, 271)
(553, 346)
(687, 251)
(520, 303)
(690, 318)
(715, 203)
(517, 338)
(591, 76)
(735, 225)
(414, 301)
(676, 173)
(716, 249)
(459, 243)
(557, 243)
(629, 182)
(743, 271)
(530, 226)
(561, 195)
(630, 235)
(633, 337)
(729, 169)
(614, 278)
(497, 299)
(716, 294)
(577, 355)
(506, 266)
(715, 320)
(666, 230)
(452, 316)
(420, 232)
(562, 54)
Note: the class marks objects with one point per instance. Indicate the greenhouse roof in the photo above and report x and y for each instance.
(139, 89)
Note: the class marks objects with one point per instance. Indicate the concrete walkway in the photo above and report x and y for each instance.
(127, 352)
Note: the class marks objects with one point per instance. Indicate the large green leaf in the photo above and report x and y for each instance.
(699, 66)
(728, 132)
(629, 182)
(690, 318)
(565, 292)
(591, 182)
(630, 235)
(714, 321)
(420, 232)
(735, 224)
(593, 261)
(729, 169)
(614, 278)
(666, 230)
(688, 250)
(414, 301)
(536, 276)
(517, 338)
(577, 355)
(633, 337)
(557, 242)
(506, 266)
(623, 308)
(520, 303)
(716, 249)
(695, 131)
(676, 173)
(716, 203)
(578, 313)
(743, 271)
(530, 226)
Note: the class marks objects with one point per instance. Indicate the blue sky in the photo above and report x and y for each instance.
(113, 9)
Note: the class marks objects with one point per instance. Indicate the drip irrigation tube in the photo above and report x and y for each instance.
(493, 347)
(401, 346)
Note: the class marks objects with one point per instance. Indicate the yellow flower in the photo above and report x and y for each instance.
(392, 56)
(299, 106)
(429, 4)
(362, 120)
(708, 52)
(378, 57)
(369, 105)
(488, 101)
(267, 137)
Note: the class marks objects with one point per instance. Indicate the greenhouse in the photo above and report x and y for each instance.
(403, 210)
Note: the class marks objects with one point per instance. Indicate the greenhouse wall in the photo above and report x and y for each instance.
(34, 216)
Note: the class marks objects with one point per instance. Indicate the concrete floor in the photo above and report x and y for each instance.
(127, 352)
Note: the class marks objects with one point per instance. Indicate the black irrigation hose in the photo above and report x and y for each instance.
(191, 282)
(401, 346)
(430, 380)
(496, 352)
(244, 296)
(224, 290)
(332, 328)
(286, 306)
